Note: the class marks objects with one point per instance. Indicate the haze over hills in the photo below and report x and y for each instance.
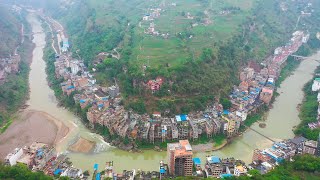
(9, 32)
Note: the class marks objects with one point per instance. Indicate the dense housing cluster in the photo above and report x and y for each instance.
(106, 109)
(42, 157)
(265, 160)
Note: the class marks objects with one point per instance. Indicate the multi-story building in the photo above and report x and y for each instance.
(310, 147)
(180, 158)
(258, 155)
(230, 126)
(213, 167)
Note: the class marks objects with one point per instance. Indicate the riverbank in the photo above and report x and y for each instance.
(15, 91)
(82, 146)
(31, 126)
(309, 111)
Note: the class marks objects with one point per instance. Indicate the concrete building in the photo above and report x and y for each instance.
(316, 84)
(266, 95)
(230, 126)
(11, 159)
(74, 67)
(240, 170)
(310, 147)
(180, 158)
(213, 166)
(73, 173)
(113, 91)
(258, 155)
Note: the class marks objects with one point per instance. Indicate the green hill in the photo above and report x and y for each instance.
(9, 32)
(200, 47)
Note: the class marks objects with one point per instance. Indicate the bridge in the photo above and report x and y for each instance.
(301, 58)
(260, 134)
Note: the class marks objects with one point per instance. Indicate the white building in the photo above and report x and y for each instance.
(12, 158)
(243, 115)
(277, 50)
(74, 67)
(316, 84)
(73, 173)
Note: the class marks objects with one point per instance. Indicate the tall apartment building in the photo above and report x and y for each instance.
(180, 158)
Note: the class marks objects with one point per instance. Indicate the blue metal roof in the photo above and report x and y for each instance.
(196, 161)
(95, 166)
(57, 171)
(214, 159)
(162, 171)
(226, 112)
(98, 176)
(70, 87)
(181, 117)
(82, 100)
(245, 98)
(100, 105)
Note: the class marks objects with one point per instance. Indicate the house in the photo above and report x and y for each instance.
(316, 84)
(73, 173)
(113, 91)
(155, 85)
(213, 167)
(229, 126)
(310, 147)
(156, 114)
(243, 86)
(65, 46)
(246, 74)
(240, 170)
(81, 83)
(100, 95)
(266, 95)
(11, 159)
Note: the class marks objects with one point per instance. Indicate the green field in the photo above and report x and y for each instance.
(157, 51)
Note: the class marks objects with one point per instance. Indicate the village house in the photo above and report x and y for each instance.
(310, 147)
(316, 84)
(266, 95)
(155, 85)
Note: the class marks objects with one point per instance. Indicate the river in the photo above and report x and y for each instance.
(281, 118)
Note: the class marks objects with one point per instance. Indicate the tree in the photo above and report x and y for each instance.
(226, 103)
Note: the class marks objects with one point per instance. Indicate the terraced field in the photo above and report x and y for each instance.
(209, 22)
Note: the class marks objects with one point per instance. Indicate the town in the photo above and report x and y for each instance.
(104, 103)
(180, 161)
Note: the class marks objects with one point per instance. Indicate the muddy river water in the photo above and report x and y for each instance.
(280, 120)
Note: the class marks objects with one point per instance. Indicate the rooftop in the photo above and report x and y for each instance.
(213, 159)
(311, 143)
(180, 149)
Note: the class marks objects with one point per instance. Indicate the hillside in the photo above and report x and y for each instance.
(9, 32)
(14, 90)
(196, 46)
